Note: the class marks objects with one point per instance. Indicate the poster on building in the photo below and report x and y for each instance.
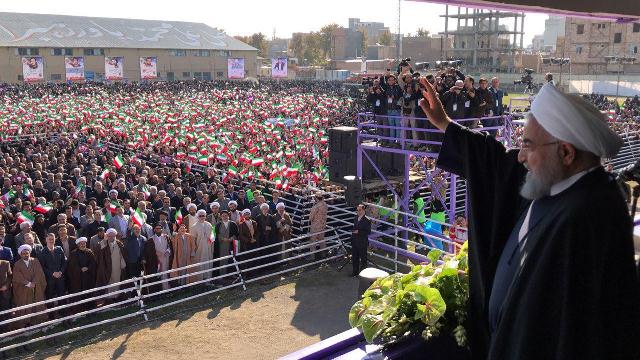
(74, 68)
(148, 67)
(113, 66)
(235, 68)
(279, 67)
(32, 68)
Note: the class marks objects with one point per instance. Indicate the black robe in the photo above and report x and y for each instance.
(575, 294)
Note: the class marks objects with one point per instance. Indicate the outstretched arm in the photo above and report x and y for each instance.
(432, 106)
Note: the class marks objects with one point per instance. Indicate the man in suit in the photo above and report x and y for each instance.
(360, 240)
(54, 265)
(167, 208)
(134, 252)
(5, 252)
(120, 222)
(5, 289)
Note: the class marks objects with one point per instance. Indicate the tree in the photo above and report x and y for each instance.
(296, 45)
(313, 49)
(384, 38)
(328, 35)
(422, 32)
(259, 41)
(363, 43)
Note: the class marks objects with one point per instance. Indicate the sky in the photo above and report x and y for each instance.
(245, 17)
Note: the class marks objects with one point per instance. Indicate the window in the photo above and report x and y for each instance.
(602, 26)
(206, 75)
(28, 51)
(171, 76)
(634, 49)
(177, 52)
(580, 29)
(617, 38)
(93, 52)
(223, 53)
(219, 74)
(197, 75)
(636, 27)
(56, 77)
(201, 53)
(186, 75)
(60, 52)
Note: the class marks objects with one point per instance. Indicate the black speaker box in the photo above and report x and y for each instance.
(343, 139)
(341, 165)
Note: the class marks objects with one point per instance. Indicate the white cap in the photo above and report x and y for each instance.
(264, 205)
(113, 191)
(191, 205)
(280, 205)
(81, 239)
(201, 212)
(246, 212)
(572, 119)
(24, 247)
(214, 204)
(111, 231)
(24, 225)
(233, 202)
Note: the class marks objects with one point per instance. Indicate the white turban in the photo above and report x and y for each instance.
(24, 225)
(24, 247)
(201, 212)
(264, 205)
(214, 204)
(280, 205)
(81, 239)
(572, 119)
(113, 191)
(246, 212)
(233, 202)
(111, 231)
(191, 205)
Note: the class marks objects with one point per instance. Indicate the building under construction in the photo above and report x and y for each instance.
(482, 38)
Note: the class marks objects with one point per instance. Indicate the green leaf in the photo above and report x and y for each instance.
(355, 314)
(372, 325)
(434, 255)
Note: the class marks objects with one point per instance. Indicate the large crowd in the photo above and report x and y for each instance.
(108, 189)
(624, 116)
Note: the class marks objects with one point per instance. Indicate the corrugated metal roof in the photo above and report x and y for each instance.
(40, 30)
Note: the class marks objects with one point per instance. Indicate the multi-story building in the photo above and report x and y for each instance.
(425, 48)
(372, 30)
(592, 45)
(553, 27)
(182, 50)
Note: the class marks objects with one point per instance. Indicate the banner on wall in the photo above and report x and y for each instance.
(279, 67)
(113, 68)
(148, 67)
(74, 68)
(235, 68)
(32, 68)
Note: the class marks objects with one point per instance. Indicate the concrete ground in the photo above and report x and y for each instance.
(265, 322)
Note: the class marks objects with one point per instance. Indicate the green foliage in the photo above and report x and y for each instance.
(431, 299)
(384, 38)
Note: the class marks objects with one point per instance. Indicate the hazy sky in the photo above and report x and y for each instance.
(244, 17)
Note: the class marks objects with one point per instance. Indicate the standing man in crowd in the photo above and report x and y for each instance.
(318, 220)
(54, 265)
(540, 274)
(28, 285)
(360, 240)
(81, 270)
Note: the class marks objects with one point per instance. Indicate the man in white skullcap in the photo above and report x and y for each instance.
(283, 223)
(29, 284)
(191, 217)
(110, 261)
(202, 237)
(234, 214)
(551, 267)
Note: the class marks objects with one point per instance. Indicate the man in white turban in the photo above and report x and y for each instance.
(551, 268)
(202, 236)
(28, 284)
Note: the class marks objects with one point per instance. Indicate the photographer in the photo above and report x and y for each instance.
(472, 105)
(548, 78)
(377, 98)
(393, 92)
(486, 104)
(454, 101)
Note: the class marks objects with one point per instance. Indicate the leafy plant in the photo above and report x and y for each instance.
(431, 299)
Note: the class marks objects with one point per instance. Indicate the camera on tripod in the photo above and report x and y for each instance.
(526, 78)
(630, 173)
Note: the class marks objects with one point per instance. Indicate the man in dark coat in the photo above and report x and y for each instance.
(360, 240)
(551, 264)
(81, 270)
(54, 265)
(267, 233)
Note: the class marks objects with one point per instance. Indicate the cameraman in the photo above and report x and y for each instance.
(454, 101)
(548, 78)
(472, 105)
(377, 98)
(485, 97)
(393, 92)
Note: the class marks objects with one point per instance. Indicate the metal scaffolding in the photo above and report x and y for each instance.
(480, 36)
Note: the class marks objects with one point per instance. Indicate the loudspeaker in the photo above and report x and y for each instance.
(353, 194)
(341, 165)
(343, 139)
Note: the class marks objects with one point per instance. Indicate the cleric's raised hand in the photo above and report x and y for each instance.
(432, 106)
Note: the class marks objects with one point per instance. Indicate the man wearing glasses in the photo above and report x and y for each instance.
(551, 269)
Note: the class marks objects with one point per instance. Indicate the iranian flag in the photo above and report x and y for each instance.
(221, 157)
(146, 192)
(257, 161)
(105, 174)
(27, 193)
(25, 217)
(324, 140)
(212, 237)
(178, 216)
(43, 208)
(8, 196)
(289, 153)
(233, 171)
(278, 182)
(203, 160)
(137, 218)
(112, 207)
(118, 161)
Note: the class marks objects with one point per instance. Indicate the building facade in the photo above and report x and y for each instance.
(182, 50)
(592, 44)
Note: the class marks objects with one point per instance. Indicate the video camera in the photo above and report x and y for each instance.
(526, 78)
(630, 173)
(367, 81)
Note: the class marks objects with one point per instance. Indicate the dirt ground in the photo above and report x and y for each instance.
(265, 322)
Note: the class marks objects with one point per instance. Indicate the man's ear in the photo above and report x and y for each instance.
(567, 153)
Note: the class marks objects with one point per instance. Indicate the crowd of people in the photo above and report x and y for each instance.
(625, 116)
(107, 191)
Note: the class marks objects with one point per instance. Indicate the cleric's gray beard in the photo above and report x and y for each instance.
(538, 186)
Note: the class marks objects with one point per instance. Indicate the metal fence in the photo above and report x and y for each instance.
(241, 269)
